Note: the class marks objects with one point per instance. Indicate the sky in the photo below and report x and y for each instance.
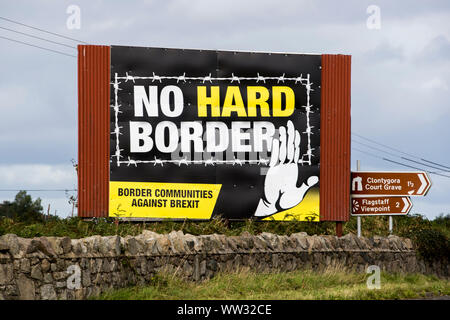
(400, 75)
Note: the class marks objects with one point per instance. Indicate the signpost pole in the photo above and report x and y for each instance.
(358, 218)
(391, 224)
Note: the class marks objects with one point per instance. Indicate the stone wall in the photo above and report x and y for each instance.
(61, 268)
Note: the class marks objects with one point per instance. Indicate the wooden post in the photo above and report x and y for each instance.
(339, 228)
(358, 218)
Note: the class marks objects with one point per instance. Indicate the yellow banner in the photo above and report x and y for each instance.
(307, 210)
(162, 200)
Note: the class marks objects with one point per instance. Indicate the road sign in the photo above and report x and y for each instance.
(369, 206)
(390, 183)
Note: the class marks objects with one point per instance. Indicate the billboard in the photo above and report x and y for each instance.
(201, 133)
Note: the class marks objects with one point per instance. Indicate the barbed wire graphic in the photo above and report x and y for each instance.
(304, 81)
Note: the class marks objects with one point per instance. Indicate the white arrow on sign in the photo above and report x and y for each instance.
(424, 182)
(407, 203)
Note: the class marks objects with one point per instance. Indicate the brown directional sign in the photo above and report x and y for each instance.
(390, 183)
(367, 206)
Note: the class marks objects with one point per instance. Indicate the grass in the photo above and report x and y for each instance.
(298, 285)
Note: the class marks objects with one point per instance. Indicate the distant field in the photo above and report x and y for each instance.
(297, 285)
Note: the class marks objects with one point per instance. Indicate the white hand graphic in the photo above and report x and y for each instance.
(280, 187)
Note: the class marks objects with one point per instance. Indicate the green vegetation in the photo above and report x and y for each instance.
(22, 209)
(432, 244)
(77, 228)
(24, 217)
(285, 286)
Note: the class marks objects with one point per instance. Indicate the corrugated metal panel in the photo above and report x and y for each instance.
(335, 134)
(93, 130)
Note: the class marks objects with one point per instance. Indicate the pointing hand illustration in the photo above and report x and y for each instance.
(280, 186)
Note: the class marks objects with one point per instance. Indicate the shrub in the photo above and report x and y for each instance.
(432, 245)
(23, 208)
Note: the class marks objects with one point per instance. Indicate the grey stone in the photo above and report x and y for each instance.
(41, 245)
(25, 265)
(98, 279)
(113, 245)
(26, 287)
(54, 243)
(4, 247)
(63, 295)
(147, 234)
(349, 241)
(163, 245)
(151, 247)
(275, 260)
(203, 268)
(11, 291)
(36, 272)
(11, 241)
(196, 274)
(77, 247)
(106, 266)
(66, 245)
(48, 278)
(48, 292)
(45, 264)
(99, 265)
(60, 264)
(86, 278)
(113, 265)
(212, 265)
(16, 264)
(60, 275)
(84, 263)
(133, 246)
(188, 270)
(177, 241)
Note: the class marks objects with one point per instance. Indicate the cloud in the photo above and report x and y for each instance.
(384, 52)
(435, 84)
(37, 176)
(430, 209)
(437, 51)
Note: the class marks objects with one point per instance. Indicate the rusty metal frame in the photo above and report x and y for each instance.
(335, 137)
(94, 134)
(93, 130)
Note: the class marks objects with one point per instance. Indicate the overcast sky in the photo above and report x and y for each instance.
(400, 74)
